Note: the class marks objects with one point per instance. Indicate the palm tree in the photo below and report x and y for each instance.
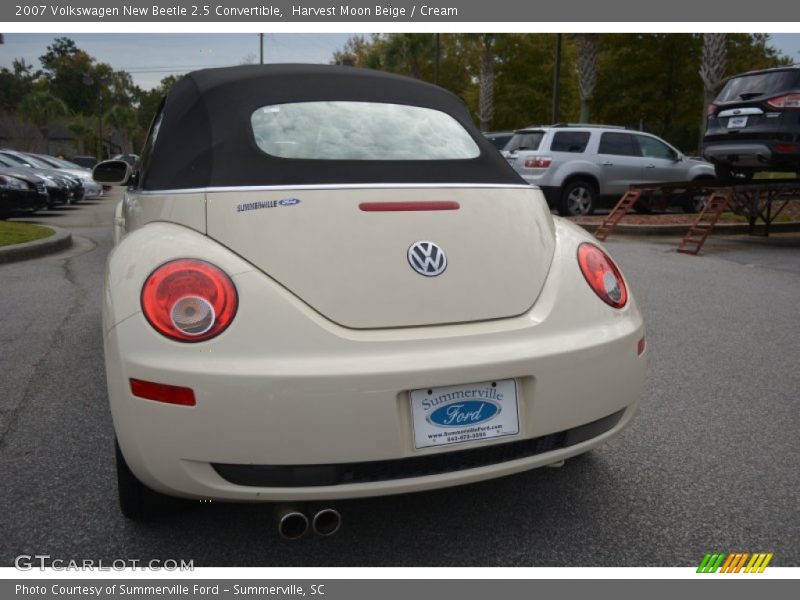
(124, 120)
(486, 82)
(587, 71)
(714, 62)
(40, 107)
(80, 128)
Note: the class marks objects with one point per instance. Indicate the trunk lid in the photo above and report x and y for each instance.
(351, 265)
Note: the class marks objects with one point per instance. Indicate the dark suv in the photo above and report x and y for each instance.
(754, 124)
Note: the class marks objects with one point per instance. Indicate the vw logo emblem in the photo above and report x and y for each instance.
(427, 259)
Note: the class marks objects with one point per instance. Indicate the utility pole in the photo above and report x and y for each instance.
(556, 77)
(261, 48)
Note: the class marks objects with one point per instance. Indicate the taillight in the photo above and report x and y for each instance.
(189, 300)
(712, 110)
(538, 162)
(602, 275)
(783, 102)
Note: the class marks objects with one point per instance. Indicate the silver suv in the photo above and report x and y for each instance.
(580, 167)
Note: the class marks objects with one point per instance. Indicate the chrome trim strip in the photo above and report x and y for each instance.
(347, 186)
(741, 112)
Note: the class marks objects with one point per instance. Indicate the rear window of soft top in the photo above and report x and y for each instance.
(344, 130)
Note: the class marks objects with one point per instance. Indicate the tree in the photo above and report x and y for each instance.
(410, 54)
(81, 130)
(40, 107)
(148, 102)
(486, 81)
(15, 84)
(60, 48)
(713, 64)
(123, 119)
(587, 71)
(655, 82)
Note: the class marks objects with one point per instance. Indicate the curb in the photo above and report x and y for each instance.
(60, 240)
(681, 230)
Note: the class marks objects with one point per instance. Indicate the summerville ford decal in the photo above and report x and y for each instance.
(464, 413)
(258, 205)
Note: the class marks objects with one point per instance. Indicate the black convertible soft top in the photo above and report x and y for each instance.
(205, 138)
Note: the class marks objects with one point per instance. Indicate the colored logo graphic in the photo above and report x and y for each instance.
(734, 562)
(469, 412)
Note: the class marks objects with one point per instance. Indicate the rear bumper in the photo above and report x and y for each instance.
(293, 407)
(752, 154)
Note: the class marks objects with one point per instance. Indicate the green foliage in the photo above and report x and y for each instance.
(649, 79)
(83, 131)
(40, 107)
(15, 84)
(653, 80)
(83, 88)
(148, 104)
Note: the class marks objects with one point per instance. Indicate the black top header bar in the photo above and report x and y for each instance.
(409, 11)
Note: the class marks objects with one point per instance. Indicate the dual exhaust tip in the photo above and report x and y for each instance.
(294, 524)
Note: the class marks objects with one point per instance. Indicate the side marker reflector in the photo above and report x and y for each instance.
(161, 392)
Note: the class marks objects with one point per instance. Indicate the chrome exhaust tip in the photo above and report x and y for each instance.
(326, 522)
(292, 524)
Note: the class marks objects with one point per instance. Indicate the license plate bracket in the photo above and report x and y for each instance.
(737, 122)
(464, 413)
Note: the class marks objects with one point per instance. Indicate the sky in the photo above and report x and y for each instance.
(150, 57)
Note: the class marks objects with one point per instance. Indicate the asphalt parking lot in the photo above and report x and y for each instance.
(710, 462)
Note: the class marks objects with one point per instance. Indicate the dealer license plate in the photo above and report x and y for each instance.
(737, 122)
(464, 413)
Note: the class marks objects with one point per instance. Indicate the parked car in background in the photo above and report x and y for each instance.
(58, 188)
(499, 139)
(581, 167)
(754, 124)
(128, 158)
(84, 161)
(20, 192)
(75, 187)
(460, 333)
(90, 186)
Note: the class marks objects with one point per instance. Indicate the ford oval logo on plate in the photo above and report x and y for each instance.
(289, 201)
(460, 414)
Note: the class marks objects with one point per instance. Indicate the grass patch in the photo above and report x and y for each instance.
(771, 175)
(17, 233)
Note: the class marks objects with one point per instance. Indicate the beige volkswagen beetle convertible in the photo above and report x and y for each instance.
(327, 284)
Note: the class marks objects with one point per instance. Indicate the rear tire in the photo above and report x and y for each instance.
(137, 501)
(696, 203)
(578, 199)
